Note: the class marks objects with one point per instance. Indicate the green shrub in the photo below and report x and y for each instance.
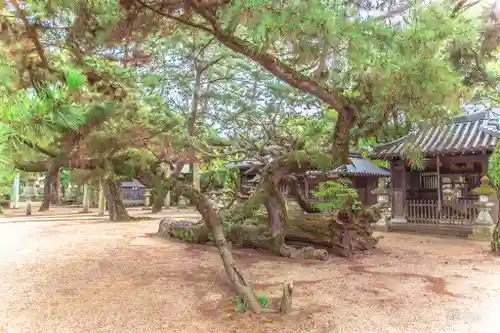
(335, 194)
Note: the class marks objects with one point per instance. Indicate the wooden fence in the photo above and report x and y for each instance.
(461, 211)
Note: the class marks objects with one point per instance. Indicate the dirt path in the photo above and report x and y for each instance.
(102, 277)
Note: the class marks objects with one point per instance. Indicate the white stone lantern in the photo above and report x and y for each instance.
(182, 202)
(382, 194)
(29, 191)
(449, 195)
(483, 227)
(383, 198)
(483, 198)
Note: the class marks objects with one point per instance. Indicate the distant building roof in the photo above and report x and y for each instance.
(476, 132)
(359, 166)
(132, 183)
(244, 164)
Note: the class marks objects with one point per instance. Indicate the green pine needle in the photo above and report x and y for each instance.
(75, 79)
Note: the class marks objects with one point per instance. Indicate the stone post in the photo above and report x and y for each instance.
(483, 227)
(147, 197)
(14, 200)
(383, 204)
(166, 202)
(182, 203)
(86, 199)
(29, 192)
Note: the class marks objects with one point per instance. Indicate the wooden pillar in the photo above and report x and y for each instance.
(371, 185)
(406, 176)
(484, 164)
(439, 187)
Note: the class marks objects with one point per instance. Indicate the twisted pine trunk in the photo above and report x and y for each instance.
(275, 201)
(214, 224)
(342, 235)
(47, 191)
(300, 198)
(495, 240)
(47, 187)
(274, 216)
(116, 207)
(56, 188)
(159, 200)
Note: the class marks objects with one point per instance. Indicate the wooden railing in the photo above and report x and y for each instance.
(458, 212)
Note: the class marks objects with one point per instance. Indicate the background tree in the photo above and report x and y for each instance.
(494, 173)
(337, 54)
(181, 71)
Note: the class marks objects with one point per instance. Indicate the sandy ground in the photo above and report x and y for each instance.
(74, 211)
(85, 276)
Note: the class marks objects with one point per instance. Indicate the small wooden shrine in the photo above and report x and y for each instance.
(440, 196)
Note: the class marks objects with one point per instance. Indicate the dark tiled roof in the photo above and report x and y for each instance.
(465, 134)
(357, 166)
(360, 166)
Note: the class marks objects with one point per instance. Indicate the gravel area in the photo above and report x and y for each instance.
(83, 276)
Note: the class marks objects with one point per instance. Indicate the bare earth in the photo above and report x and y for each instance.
(88, 276)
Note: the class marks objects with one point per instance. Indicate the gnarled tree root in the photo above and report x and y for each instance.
(242, 235)
(258, 236)
(189, 231)
(309, 230)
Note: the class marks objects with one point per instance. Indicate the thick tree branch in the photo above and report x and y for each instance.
(273, 65)
(205, 46)
(33, 145)
(463, 5)
(394, 12)
(341, 136)
(211, 63)
(32, 33)
(175, 18)
(296, 192)
(32, 166)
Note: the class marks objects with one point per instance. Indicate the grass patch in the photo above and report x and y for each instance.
(262, 298)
